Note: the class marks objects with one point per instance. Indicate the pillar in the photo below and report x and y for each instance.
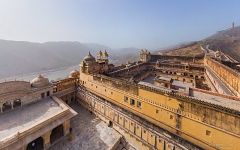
(46, 140)
(66, 127)
(23, 147)
(12, 104)
(1, 105)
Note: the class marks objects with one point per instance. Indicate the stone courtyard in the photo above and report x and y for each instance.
(88, 133)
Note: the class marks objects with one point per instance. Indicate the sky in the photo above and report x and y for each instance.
(148, 24)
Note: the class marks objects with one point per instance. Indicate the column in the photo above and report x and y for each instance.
(1, 105)
(23, 147)
(66, 127)
(12, 104)
(46, 140)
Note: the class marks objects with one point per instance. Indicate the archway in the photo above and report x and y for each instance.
(37, 144)
(6, 106)
(56, 134)
(110, 124)
(17, 103)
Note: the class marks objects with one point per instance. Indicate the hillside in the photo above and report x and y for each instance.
(19, 57)
(228, 41)
(190, 49)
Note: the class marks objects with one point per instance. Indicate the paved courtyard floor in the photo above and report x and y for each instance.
(89, 133)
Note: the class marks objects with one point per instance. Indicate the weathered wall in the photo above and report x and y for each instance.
(143, 135)
(176, 114)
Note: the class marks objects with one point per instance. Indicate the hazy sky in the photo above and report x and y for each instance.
(116, 23)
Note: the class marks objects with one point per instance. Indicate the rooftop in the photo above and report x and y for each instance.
(25, 118)
(216, 99)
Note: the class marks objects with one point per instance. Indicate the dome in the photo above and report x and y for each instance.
(74, 74)
(40, 81)
(89, 57)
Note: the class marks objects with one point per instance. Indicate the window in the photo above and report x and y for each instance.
(48, 93)
(157, 111)
(171, 116)
(125, 99)
(139, 104)
(132, 102)
(208, 133)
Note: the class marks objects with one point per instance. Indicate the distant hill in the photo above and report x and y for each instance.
(20, 57)
(227, 41)
(186, 49)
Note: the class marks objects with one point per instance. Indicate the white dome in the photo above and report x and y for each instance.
(40, 81)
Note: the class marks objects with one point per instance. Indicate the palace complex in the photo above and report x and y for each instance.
(160, 102)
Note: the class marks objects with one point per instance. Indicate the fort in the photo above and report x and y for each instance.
(159, 102)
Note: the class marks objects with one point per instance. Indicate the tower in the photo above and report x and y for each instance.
(233, 25)
(145, 55)
(88, 65)
(105, 57)
(99, 56)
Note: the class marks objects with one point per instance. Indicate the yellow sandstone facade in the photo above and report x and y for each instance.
(197, 120)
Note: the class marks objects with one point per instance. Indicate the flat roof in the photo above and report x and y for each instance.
(22, 119)
(164, 78)
(218, 100)
(182, 84)
(205, 97)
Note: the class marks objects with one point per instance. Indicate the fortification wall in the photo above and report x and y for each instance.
(230, 77)
(197, 59)
(178, 114)
(143, 134)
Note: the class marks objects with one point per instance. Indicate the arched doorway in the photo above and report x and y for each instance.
(37, 144)
(56, 134)
(7, 106)
(110, 124)
(17, 103)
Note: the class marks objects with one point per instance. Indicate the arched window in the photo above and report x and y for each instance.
(37, 144)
